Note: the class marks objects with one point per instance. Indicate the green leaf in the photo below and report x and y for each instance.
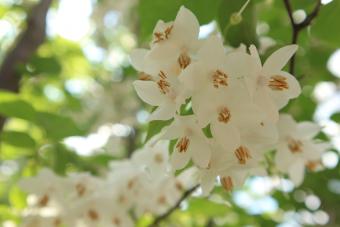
(245, 31)
(18, 139)
(11, 105)
(17, 198)
(155, 127)
(336, 117)
(47, 65)
(325, 26)
(57, 126)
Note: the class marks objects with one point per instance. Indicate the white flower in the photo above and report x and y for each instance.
(232, 167)
(271, 87)
(154, 158)
(176, 41)
(191, 143)
(296, 147)
(47, 186)
(164, 92)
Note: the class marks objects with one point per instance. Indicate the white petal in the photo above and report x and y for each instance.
(296, 172)
(281, 97)
(286, 125)
(211, 50)
(279, 59)
(174, 130)
(163, 112)
(179, 160)
(186, 27)
(256, 58)
(263, 100)
(207, 180)
(149, 92)
(202, 111)
(283, 158)
(240, 65)
(163, 53)
(137, 59)
(308, 130)
(200, 150)
(226, 135)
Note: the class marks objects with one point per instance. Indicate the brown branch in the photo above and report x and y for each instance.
(298, 27)
(25, 47)
(160, 218)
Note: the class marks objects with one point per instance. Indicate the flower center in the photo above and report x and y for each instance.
(219, 78)
(162, 200)
(295, 146)
(183, 60)
(278, 83)
(80, 189)
(179, 186)
(312, 165)
(144, 76)
(93, 215)
(163, 84)
(227, 183)
(183, 144)
(116, 221)
(242, 154)
(160, 36)
(158, 158)
(43, 201)
(224, 115)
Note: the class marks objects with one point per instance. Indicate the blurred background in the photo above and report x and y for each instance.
(67, 102)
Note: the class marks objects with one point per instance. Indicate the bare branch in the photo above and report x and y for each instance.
(298, 27)
(185, 195)
(25, 47)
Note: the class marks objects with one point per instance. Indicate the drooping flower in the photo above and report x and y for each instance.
(191, 142)
(270, 87)
(165, 92)
(296, 148)
(176, 41)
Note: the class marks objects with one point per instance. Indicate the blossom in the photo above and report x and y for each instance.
(165, 92)
(296, 147)
(270, 87)
(177, 40)
(191, 142)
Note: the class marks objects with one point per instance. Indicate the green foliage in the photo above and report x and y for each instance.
(243, 32)
(18, 139)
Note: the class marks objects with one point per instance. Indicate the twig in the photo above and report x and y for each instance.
(25, 47)
(185, 195)
(298, 27)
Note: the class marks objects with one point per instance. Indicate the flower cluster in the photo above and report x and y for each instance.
(142, 184)
(223, 108)
(224, 105)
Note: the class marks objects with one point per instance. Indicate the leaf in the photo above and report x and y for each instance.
(155, 127)
(245, 31)
(18, 139)
(47, 65)
(325, 26)
(17, 198)
(336, 117)
(11, 105)
(57, 126)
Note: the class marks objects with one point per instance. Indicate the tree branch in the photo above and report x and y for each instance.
(160, 218)
(298, 27)
(25, 47)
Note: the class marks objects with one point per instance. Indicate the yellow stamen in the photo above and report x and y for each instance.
(219, 79)
(224, 115)
(227, 183)
(242, 154)
(183, 144)
(278, 83)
